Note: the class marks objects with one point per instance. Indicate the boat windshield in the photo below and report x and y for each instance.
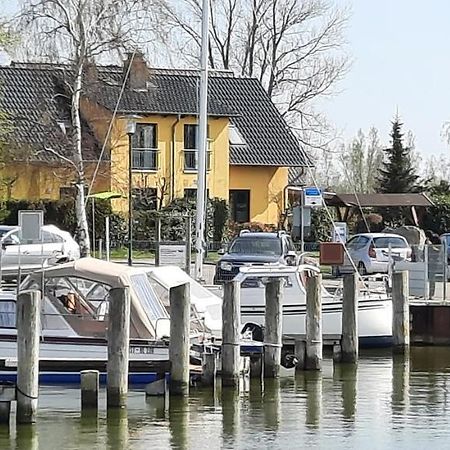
(146, 294)
(256, 246)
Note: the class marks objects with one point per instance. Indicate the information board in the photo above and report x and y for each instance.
(172, 255)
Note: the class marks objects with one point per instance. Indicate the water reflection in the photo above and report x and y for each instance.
(26, 438)
(179, 422)
(400, 383)
(313, 386)
(117, 428)
(231, 415)
(346, 375)
(272, 404)
(157, 407)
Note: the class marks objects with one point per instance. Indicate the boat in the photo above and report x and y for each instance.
(74, 319)
(374, 307)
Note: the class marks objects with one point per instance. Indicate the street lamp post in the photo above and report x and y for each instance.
(131, 129)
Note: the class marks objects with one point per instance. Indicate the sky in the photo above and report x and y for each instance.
(401, 61)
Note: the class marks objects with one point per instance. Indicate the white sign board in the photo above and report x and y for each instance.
(312, 196)
(30, 224)
(340, 232)
(172, 255)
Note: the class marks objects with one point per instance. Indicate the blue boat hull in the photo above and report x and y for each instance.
(74, 377)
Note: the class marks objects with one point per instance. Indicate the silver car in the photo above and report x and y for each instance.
(56, 245)
(370, 252)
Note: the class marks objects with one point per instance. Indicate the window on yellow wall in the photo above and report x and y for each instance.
(145, 147)
(191, 148)
(190, 194)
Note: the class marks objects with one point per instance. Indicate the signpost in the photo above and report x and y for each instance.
(339, 232)
(311, 198)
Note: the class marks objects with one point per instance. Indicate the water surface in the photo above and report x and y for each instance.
(383, 403)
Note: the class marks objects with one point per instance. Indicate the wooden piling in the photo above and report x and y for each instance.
(313, 323)
(5, 412)
(349, 341)
(230, 333)
(188, 226)
(256, 366)
(28, 321)
(209, 369)
(400, 310)
(89, 389)
(273, 324)
(180, 308)
(118, 347)
(300, 355)
(157, 241)
(337, 353)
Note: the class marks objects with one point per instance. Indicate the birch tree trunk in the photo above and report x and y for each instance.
(82, 230)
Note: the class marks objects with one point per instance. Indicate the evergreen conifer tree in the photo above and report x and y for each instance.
(397, 174)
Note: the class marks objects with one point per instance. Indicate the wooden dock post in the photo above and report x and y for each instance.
(349, 341)
(300, 355)
(230, 333)
(256, 366)
(313, 322)
(209, 369)
(28, 320)
(179, 344)
(273, 332)
(400, 310)
(118, 347)
(89, 389)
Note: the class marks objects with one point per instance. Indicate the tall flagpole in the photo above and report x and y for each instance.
(202, 147)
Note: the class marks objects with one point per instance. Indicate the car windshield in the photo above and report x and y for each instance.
(385, 242)
(3, 232)
(256, 246)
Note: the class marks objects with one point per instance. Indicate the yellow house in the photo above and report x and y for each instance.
(250, 146)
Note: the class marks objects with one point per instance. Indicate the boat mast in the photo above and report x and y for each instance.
(202, 146)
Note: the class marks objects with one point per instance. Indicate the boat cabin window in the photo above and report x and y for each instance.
(7, 314)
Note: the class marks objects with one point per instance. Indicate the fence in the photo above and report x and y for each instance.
(428, 272)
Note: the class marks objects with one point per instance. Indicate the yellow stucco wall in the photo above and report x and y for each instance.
(266, 185)
(217, 178)
(41, 181)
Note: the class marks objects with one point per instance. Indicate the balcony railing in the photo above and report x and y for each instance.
(191, 160)
(145, 159)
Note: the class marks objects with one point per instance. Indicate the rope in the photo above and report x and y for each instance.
(25, 395)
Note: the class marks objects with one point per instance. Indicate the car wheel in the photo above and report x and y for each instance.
(362, 268)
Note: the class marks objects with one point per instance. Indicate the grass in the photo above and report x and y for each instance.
(122, 253)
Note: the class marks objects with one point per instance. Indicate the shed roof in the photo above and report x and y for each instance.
(379, 200)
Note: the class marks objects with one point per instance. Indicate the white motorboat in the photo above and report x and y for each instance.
(75, 315)
(374, 308)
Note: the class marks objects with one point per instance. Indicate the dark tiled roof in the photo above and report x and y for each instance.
(27, 92)
(166, 94)
(268, 139)
(33, 104)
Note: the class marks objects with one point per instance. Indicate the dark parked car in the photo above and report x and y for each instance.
(255, 248)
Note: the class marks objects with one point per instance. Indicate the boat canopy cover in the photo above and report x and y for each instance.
(112, 274)
(148, 308)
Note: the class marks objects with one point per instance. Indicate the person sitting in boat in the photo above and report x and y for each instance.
(71, 302)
